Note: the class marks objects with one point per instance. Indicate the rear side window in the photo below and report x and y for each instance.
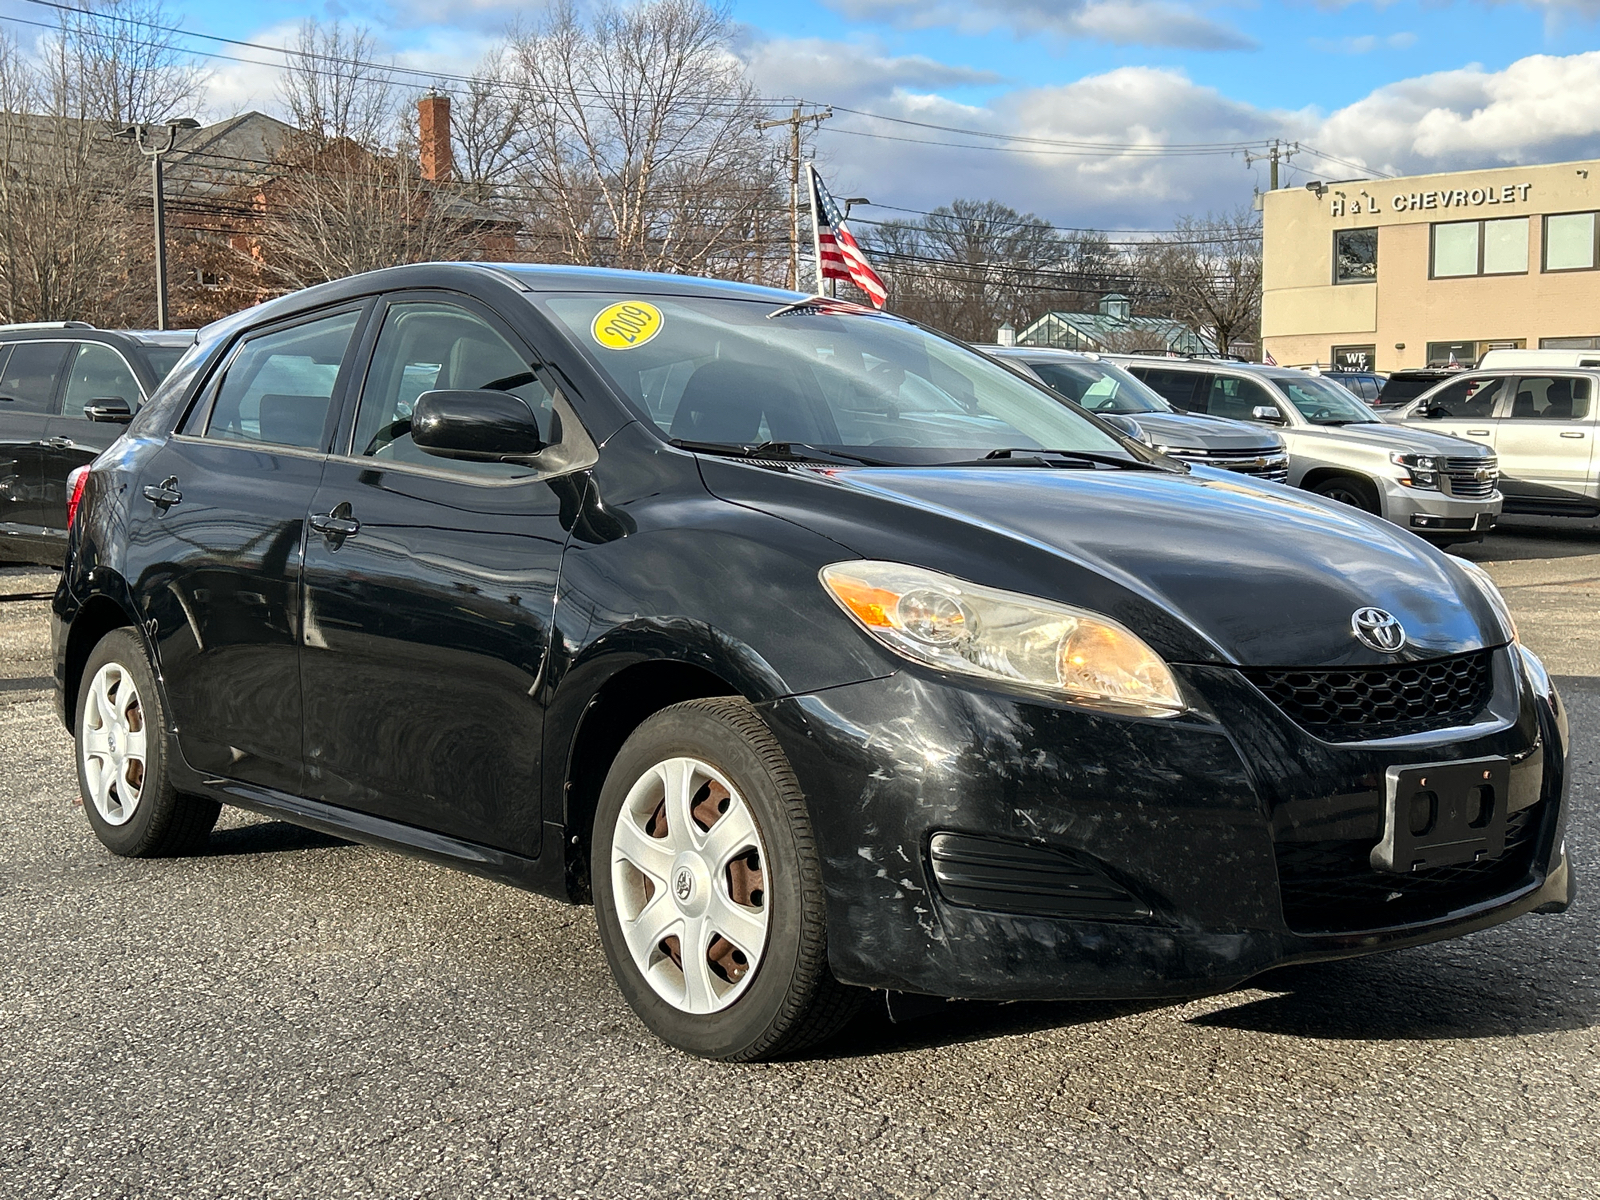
(98, 373)
(279, 386)
(1177, 386)
(1236, 399)
(28, 381)
(1550, 398)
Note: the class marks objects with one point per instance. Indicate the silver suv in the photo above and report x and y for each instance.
(1107, 390)
(1441, 487)
(1538, 420)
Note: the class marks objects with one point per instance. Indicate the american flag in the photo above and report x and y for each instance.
(838, 255)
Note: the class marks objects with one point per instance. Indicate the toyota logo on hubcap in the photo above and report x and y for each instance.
(1378, 630)
(683, 884)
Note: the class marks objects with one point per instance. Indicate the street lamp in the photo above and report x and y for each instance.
(851, 202)
(138, 135)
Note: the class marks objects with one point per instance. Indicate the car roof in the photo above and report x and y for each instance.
(1212, 364)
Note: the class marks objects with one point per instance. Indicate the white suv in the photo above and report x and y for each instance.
(1441, 487)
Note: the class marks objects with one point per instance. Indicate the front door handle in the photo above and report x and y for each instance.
(1572, 433)
(335, 526)
(1477, 433)
(60, 443)
(164, 494)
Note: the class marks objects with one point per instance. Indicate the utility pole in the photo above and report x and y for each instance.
(1277, 151)
(795, 120)
(158, 200)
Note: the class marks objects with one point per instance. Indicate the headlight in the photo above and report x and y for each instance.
(1491, 593)
(958, 626)
(1422, 470)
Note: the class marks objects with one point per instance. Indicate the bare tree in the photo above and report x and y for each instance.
(116, 59)
(334, 87)
(1207, 273)
(638, 141)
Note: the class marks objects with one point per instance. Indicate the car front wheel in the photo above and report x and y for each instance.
(122, 766)
(1351, 490)
(708, 890)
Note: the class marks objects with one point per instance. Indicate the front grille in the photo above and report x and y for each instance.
(1358, 704)
(1463, 476)
(1330, 887)
(1259, 464)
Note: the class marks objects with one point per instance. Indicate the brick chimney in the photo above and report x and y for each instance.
(433, 138)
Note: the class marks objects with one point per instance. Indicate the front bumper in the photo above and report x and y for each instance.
(1195, 823)
(1438, 512)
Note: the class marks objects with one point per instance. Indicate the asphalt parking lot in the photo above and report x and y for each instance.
(292, 1016)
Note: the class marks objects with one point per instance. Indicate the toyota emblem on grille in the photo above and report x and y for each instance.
(1378, 630)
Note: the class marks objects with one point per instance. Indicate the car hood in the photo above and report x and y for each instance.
(1181, 431)
(1204, 566)
(1384, 436)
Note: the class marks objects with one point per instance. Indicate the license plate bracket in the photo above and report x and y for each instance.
(1443, 814)
(1483, 521)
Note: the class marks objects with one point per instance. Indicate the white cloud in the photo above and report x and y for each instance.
(1123, 22)
(1365, 44)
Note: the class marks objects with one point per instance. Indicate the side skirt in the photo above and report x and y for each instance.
(540, 874)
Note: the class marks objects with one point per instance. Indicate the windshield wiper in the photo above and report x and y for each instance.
(1021, 456)
(791, 451)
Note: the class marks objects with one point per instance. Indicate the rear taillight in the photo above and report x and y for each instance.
(76, 478)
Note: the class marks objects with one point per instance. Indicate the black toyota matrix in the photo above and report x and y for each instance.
(820, 652)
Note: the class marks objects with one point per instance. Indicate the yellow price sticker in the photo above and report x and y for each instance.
(626, 326)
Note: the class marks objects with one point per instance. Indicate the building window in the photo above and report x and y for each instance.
(1570, 343)
(1569, 242)
(1480, 248)
(1355, 256)
(1467, 353)
(1354, 358)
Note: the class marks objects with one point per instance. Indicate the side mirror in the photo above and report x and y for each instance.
(475, 426)
(1126, 426)
(113, 409)
(1268, 413)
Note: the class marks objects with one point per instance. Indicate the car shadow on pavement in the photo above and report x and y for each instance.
(950, 1023)
(1523, 540)
(269, 837)
(1415, 995)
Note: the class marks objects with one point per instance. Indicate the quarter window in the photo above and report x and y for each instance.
(431, 346)
(279, 386)
(1462, 248)
(28, 383)
(1355, 256)
(99, 373)
(1569, 242)
(1550, 398)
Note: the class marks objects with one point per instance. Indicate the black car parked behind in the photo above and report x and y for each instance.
(822, 653)
(66, 391)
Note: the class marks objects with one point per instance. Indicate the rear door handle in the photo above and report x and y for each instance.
(56, 443)
(164, 494)
(335, 526)
(1572, 433)
(1477, 433)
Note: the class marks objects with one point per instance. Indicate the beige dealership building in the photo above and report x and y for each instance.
(1392, 273)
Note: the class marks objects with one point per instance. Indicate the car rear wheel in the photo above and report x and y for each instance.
(708, 891)
(1351, 490)
(121, 750)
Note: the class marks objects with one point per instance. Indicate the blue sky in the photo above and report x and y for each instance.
(1398, 87)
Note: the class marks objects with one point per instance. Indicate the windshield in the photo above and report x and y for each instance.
(1322, 402)
(163, 358)
(737, 373)
(1099, 387)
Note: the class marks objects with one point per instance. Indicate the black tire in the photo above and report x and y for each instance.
(163, 822)
(1352, 490)
(791, 1001)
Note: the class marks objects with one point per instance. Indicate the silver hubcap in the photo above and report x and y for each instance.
(688, 873)
(113, 744)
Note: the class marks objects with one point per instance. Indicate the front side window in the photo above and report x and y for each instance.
(1463, 248)
(1569, 242)
(1236, 399)
(28, 383)
(734, 372)
(279, 386)
(1323, 403)
(433, 346)
(1355, 256)
(1467, 399)
(1551, 398)
(99, 373)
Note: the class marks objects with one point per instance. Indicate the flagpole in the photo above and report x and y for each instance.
(816, 227)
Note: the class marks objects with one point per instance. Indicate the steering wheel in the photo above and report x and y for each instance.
(387, 435)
